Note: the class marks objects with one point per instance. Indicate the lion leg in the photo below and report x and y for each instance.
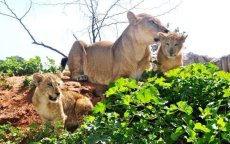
(143, 65)
(76, 60)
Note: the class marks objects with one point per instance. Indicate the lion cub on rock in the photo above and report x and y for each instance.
(103, 62)
(169, 55)
(54, 104)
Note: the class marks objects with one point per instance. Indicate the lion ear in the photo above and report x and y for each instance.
(183, 37)
(59, 74)
(37, 77)
(131, 17)
(161, 35)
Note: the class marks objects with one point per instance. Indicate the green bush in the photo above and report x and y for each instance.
(190, 104)
(4, 82)
(28, 82)
(185, 105)
(18, 66)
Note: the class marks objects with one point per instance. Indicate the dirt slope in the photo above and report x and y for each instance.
(16, 100)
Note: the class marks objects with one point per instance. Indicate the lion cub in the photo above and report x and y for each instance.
(54, 104)
(169, 55)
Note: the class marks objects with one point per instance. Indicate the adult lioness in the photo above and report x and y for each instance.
(129, 56)
(54, 104)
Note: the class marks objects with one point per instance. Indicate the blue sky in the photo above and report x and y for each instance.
(205, 21)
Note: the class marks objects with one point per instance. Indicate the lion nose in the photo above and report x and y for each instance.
(57, 93)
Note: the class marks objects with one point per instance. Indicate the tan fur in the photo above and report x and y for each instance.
(129, 56)
(54, 104)
(169, 54)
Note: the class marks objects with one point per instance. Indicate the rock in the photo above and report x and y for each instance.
(223, 63)
(189, 58)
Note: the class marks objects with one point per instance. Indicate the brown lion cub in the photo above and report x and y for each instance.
(169, 54)
(54, 104)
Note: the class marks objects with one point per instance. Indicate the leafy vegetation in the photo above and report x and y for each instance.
(28, 82)
(4, 82)
(185, 105)
(18, 66)
(188, 104)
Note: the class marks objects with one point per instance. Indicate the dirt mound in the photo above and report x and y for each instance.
(16, 100)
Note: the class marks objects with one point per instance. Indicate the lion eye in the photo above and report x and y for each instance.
(50, 85)
(167, 44)
(152, 22)
(176, 44)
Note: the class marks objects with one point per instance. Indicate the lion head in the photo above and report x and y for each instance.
(48, 86)
(146, 27)
(171, 43)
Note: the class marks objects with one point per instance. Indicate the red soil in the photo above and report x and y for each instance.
(16, 100)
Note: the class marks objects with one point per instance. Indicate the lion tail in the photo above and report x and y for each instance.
(64, 62)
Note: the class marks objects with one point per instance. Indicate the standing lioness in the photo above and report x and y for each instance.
(129, 56)
(54, 104)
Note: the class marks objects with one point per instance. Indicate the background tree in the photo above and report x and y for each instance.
(100, 14)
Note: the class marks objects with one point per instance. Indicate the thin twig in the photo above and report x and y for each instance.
(6, 15)
(27, 10)
(61, 3)
(106, 14)
(114, 23)
(25, 28)
(116, 14)
(75, 37)
(169, 10)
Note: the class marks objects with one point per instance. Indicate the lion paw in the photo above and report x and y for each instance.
(81, 78)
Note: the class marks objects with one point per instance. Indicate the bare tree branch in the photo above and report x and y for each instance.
(116, 14)
(97, 20)
(169, 10)
(155, 7)
(100, 20)
(75, 37)
(4, 2)
(61, 3)
(27, 10)
(114, 23)
(14, 16)
(135, 6)
(106, 14)
(6, 15)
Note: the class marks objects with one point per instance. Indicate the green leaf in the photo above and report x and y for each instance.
(178, 132)
(132, 84)
(173, 108)
(192, 134)
(161, 82)
(126, 114)
(126, 99)
(184, 107)
(204, 113)
(226, 92)
(199, 126)
(89, 118)
(99, 108)
(221, 124)
(147, 95)
(111, 91)
(34, 125)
